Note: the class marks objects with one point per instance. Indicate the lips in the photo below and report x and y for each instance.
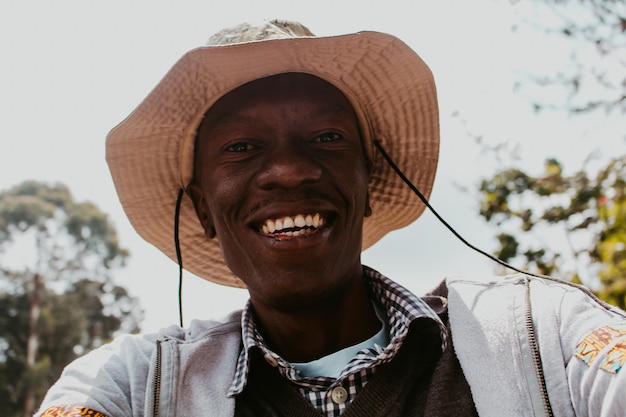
(298, 225)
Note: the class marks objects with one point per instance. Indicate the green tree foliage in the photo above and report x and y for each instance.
(57, 300)
(587, 209)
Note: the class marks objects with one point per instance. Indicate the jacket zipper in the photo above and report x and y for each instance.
(157, 381)
(532, 340)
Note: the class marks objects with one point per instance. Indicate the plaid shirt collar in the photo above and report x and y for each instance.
(401, 306)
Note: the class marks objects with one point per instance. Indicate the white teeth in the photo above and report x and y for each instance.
(299, 221)
(288, 222)
(271, 226)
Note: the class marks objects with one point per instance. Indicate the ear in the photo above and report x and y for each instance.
(368, 209)
(202, 209)
(369, 166)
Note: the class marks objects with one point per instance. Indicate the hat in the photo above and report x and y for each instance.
(151, 153)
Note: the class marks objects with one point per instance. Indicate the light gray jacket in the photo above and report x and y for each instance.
(515, 338)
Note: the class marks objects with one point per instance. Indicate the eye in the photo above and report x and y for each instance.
(328, 137)
(240, 147)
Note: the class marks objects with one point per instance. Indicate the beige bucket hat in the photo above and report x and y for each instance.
(150, 153)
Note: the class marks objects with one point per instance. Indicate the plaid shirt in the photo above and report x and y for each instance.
(328, 395)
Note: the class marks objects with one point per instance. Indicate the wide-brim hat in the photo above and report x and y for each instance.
(151, 153)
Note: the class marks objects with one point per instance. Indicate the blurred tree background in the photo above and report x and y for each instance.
(585, 206)
(57, 297)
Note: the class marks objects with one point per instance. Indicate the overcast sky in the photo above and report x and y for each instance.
(71, 70)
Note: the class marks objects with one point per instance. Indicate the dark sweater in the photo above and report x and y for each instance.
(419, 381)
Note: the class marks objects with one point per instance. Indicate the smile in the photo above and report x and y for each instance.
(299, 225)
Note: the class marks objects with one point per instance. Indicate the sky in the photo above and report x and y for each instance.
(72, 69)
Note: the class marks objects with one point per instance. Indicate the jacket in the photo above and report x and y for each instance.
(515, 338)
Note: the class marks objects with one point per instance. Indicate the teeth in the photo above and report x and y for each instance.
(289, 222)
(271, 226)
(299, 221)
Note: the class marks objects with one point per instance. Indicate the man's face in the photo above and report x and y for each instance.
(282, 178)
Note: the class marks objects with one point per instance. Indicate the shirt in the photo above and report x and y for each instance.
(332, 395)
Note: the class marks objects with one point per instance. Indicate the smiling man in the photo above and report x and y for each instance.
(254, 163)
(281, 179)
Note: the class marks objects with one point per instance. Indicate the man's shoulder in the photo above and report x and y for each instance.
(201, 329)
(536, 288)
(515, 282)
(485, 280)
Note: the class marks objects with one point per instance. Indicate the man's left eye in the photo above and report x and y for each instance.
(328, 137)
(240, 147)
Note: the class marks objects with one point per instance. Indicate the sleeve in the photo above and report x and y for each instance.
(107, 382)
(596, 371)
(593, 337)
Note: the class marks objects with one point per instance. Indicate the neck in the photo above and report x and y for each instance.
(319, 329)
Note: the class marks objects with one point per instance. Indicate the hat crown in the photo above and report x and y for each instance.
(270, 29)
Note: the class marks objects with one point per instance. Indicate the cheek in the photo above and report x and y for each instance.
(227, 199)
(222, 208)
(220, 196)
(358, 183)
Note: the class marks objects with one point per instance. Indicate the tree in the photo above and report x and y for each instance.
(590, 213)
(592, 76)
(587, 209)
(57, 299)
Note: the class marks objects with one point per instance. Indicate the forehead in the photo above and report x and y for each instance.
(293, 87)
(305, 97)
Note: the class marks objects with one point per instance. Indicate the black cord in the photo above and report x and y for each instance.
(179, 255)
(392, 164)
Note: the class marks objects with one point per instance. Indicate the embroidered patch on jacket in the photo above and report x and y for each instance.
(71, 411)
(596, 341)
(615, 360)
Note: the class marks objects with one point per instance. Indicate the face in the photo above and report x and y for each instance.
(281, 180)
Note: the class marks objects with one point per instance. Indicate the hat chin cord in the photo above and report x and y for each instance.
(417, 192)
(383, 152)
(179, 255)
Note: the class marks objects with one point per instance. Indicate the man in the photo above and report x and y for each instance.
(261, 158)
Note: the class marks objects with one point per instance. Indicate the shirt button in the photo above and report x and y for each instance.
(271, 360)
(339, 395)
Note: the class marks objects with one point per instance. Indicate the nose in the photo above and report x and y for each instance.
(288, 166)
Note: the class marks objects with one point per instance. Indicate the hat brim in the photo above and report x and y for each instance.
(150, 153)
